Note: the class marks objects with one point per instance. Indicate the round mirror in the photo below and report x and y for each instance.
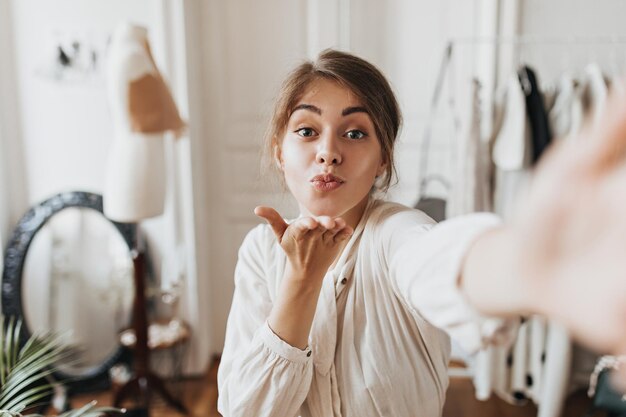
(68, 270)
(78, 272)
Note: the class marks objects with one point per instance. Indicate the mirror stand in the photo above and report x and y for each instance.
(144, 381)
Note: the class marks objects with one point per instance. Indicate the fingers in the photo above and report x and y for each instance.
(331, 229)
(344, 234)
(607, 139)
(304, 225)
(617, 375)
(274, 219)
(341, 230)
(336, 229)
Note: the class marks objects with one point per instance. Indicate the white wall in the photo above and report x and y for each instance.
(578, 19)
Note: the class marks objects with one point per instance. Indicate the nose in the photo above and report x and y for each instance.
(328, 152)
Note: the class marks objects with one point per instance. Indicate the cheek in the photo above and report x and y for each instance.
(294, 160)
(368, 164)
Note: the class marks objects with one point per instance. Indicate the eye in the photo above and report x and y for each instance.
(355, 134)
(305, 132)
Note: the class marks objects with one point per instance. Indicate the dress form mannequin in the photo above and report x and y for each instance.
(142, 110)
(135, 184)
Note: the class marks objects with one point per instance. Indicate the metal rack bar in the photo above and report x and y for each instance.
(533, 39)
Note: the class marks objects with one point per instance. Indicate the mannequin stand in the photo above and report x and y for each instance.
(144, 381)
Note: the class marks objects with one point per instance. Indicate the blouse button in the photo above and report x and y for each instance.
(343, 281)
(308, 354)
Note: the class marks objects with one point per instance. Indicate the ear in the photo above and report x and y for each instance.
(278, 157)
(381, 169)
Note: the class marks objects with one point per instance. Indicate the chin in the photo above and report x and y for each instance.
(325, 208)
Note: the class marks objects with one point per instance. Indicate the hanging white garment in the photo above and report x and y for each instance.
(594, 92)
(566, 115)
(618, 85)
(511, 148)
(537, 342)
(471, 189)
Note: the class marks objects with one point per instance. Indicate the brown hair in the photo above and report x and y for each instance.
(365, 81)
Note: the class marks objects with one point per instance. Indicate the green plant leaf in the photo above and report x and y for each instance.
(15, 345)
(90, 410)
(24, 375)
(20, 404)
(27, 397)
(21, 370)
(2, 367)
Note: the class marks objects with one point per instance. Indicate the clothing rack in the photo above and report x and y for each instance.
(494, 41)
(533, 39)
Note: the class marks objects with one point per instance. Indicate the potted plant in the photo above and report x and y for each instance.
(25, 371)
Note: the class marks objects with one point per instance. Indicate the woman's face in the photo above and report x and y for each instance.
(330, 154)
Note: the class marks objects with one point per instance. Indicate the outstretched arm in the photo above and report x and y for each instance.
(564, 253)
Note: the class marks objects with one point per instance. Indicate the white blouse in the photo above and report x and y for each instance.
(379, 343)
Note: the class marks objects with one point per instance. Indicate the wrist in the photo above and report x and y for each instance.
(494, 275)
(306, 279)
(292, 315)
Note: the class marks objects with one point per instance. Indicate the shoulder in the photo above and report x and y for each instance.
(390, 226)
(386, 216)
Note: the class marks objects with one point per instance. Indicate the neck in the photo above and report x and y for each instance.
(354, 215)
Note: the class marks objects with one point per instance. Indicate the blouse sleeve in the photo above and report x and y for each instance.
(425, 262)
(259, 373)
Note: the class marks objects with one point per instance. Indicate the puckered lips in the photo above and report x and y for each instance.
(326, 182)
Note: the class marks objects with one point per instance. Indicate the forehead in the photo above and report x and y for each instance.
(325, 93)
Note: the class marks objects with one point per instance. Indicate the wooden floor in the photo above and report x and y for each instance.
(200, 397)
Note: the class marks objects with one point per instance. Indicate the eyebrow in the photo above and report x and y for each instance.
(345, 112)
(308, 107)
(356, 109)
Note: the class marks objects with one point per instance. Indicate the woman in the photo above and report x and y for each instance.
(347, 310)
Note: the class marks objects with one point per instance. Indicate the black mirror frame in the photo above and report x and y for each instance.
(97, 377)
